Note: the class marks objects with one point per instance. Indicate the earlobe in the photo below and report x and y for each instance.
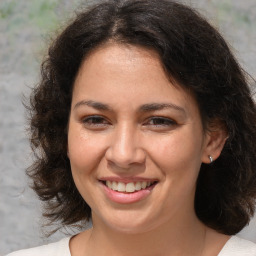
(211, 159)
(215, 139)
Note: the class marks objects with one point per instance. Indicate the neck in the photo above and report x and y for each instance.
(186, 238)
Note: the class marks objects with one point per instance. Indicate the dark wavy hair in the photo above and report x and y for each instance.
(195, 55)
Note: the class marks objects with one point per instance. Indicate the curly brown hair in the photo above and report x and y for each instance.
(194, 54)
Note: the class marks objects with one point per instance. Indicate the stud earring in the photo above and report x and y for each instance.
(211, 159)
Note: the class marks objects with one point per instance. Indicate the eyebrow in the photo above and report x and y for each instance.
(143, 108)
(159, 106)
(93, 104)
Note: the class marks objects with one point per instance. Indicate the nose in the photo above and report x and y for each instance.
(125, 148)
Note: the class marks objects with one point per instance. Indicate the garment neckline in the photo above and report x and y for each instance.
(226, 244)
(66, 241)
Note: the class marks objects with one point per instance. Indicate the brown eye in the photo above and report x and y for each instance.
(95, 121)
(161, 121)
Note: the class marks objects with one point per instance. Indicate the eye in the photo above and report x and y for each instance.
(161, 122)
(95, 121)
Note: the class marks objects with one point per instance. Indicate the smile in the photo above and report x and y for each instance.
(127, 191)
(128, 187)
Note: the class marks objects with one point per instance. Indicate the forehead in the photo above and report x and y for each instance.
(123, 61)
(125, 53)
(127, 71)
(123, 57)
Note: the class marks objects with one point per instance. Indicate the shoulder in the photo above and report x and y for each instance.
(60, 248)
(236, 246)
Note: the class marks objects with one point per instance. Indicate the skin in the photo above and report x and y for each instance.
(116, 131)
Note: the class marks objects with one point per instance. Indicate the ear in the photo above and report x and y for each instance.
(215, 138)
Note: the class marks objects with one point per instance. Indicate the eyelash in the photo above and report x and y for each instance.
(156, 122)
(161, 122)
(97, 121)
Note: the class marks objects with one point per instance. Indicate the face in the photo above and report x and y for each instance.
(135, 140)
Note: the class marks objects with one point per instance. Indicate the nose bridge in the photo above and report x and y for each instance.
(124, 142)
(125, 147)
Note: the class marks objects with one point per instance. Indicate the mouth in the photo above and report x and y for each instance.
(129, 187)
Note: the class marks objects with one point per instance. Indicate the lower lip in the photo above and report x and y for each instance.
(127, 198)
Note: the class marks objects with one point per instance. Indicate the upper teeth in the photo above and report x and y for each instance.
(128, 187)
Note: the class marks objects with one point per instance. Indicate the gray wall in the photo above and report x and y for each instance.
(25, 28)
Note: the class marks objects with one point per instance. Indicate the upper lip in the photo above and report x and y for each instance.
(127, 179)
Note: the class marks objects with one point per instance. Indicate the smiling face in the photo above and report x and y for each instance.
(135, 141)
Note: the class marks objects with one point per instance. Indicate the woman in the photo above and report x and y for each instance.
(143, 122)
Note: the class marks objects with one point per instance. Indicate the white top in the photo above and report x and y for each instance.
(235, 246)
(60, 248)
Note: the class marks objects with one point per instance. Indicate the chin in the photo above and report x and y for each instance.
(129, 223)
(131, 229)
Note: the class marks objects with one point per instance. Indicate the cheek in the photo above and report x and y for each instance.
(178, 153)
(178, 158)
(82, 150)
(84, 157)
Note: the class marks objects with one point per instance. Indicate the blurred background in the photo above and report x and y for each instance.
(26, 27)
